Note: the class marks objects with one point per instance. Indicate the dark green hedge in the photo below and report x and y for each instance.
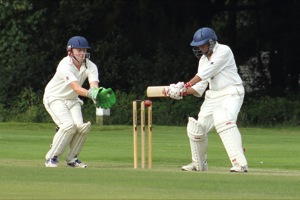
(265, 111)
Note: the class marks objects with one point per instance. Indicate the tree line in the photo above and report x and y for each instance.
(137, 43)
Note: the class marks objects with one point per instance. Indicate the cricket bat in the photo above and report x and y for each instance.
(156, 91)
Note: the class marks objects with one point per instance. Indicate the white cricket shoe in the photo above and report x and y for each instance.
(238, 168)
(192, 167)
(51, 162)
(77, 164)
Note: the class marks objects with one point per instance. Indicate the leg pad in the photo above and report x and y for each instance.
(198, 143)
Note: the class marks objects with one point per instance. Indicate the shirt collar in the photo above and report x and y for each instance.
(82, 67)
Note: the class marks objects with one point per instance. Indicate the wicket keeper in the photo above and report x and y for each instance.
(64, 106)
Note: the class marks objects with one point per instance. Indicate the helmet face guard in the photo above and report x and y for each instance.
(197, 51)
(203, 36)
(77, 57)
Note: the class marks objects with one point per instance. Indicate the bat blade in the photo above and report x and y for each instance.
(156, 91)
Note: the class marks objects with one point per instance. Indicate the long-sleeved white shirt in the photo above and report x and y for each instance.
(220, 70)
(66, 72)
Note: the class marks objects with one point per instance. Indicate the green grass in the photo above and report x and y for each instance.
(272, 153)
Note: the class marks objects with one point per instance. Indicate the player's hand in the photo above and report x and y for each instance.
(173, 91)
(102, 97)
(92, 93)
(106, 98)
(183, 87)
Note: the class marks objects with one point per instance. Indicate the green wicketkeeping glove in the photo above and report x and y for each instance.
(104, 98)
(92, 93)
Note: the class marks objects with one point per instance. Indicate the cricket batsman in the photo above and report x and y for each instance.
(61, 100)
(224, 97)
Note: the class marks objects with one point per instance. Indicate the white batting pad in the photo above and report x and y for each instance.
(61, 140)
(232, 142)
(226, 127)
(198, 143)
(78, 141)
(223, 119)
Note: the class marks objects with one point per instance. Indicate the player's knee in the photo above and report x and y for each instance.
(69, 128)
(83, 128)
(223, 120)
(194, 130)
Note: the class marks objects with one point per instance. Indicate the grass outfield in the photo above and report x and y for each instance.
(273, 156)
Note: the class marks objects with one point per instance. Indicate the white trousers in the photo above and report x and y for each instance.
(230, 98)
(64, 111)
(220, 109)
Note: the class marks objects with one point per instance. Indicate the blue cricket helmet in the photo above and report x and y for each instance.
(78, 42)
(202, 36)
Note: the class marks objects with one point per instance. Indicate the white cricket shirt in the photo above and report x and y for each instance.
(220, 71)
(66, 72)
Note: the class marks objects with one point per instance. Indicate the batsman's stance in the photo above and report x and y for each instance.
(216, 69)
(63, 104)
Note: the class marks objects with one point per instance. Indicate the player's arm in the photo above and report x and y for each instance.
(102, 97)
(78, 89)
(191, 91)
(194, 80)
(187, 87)
(94, 84)
(198, 89)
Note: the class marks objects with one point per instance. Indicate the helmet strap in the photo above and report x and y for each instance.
(84, 61)
(69, 50)
(70, 53)
(211, 44)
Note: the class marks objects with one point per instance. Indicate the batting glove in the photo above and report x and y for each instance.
(173, 92)
(184, 87)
